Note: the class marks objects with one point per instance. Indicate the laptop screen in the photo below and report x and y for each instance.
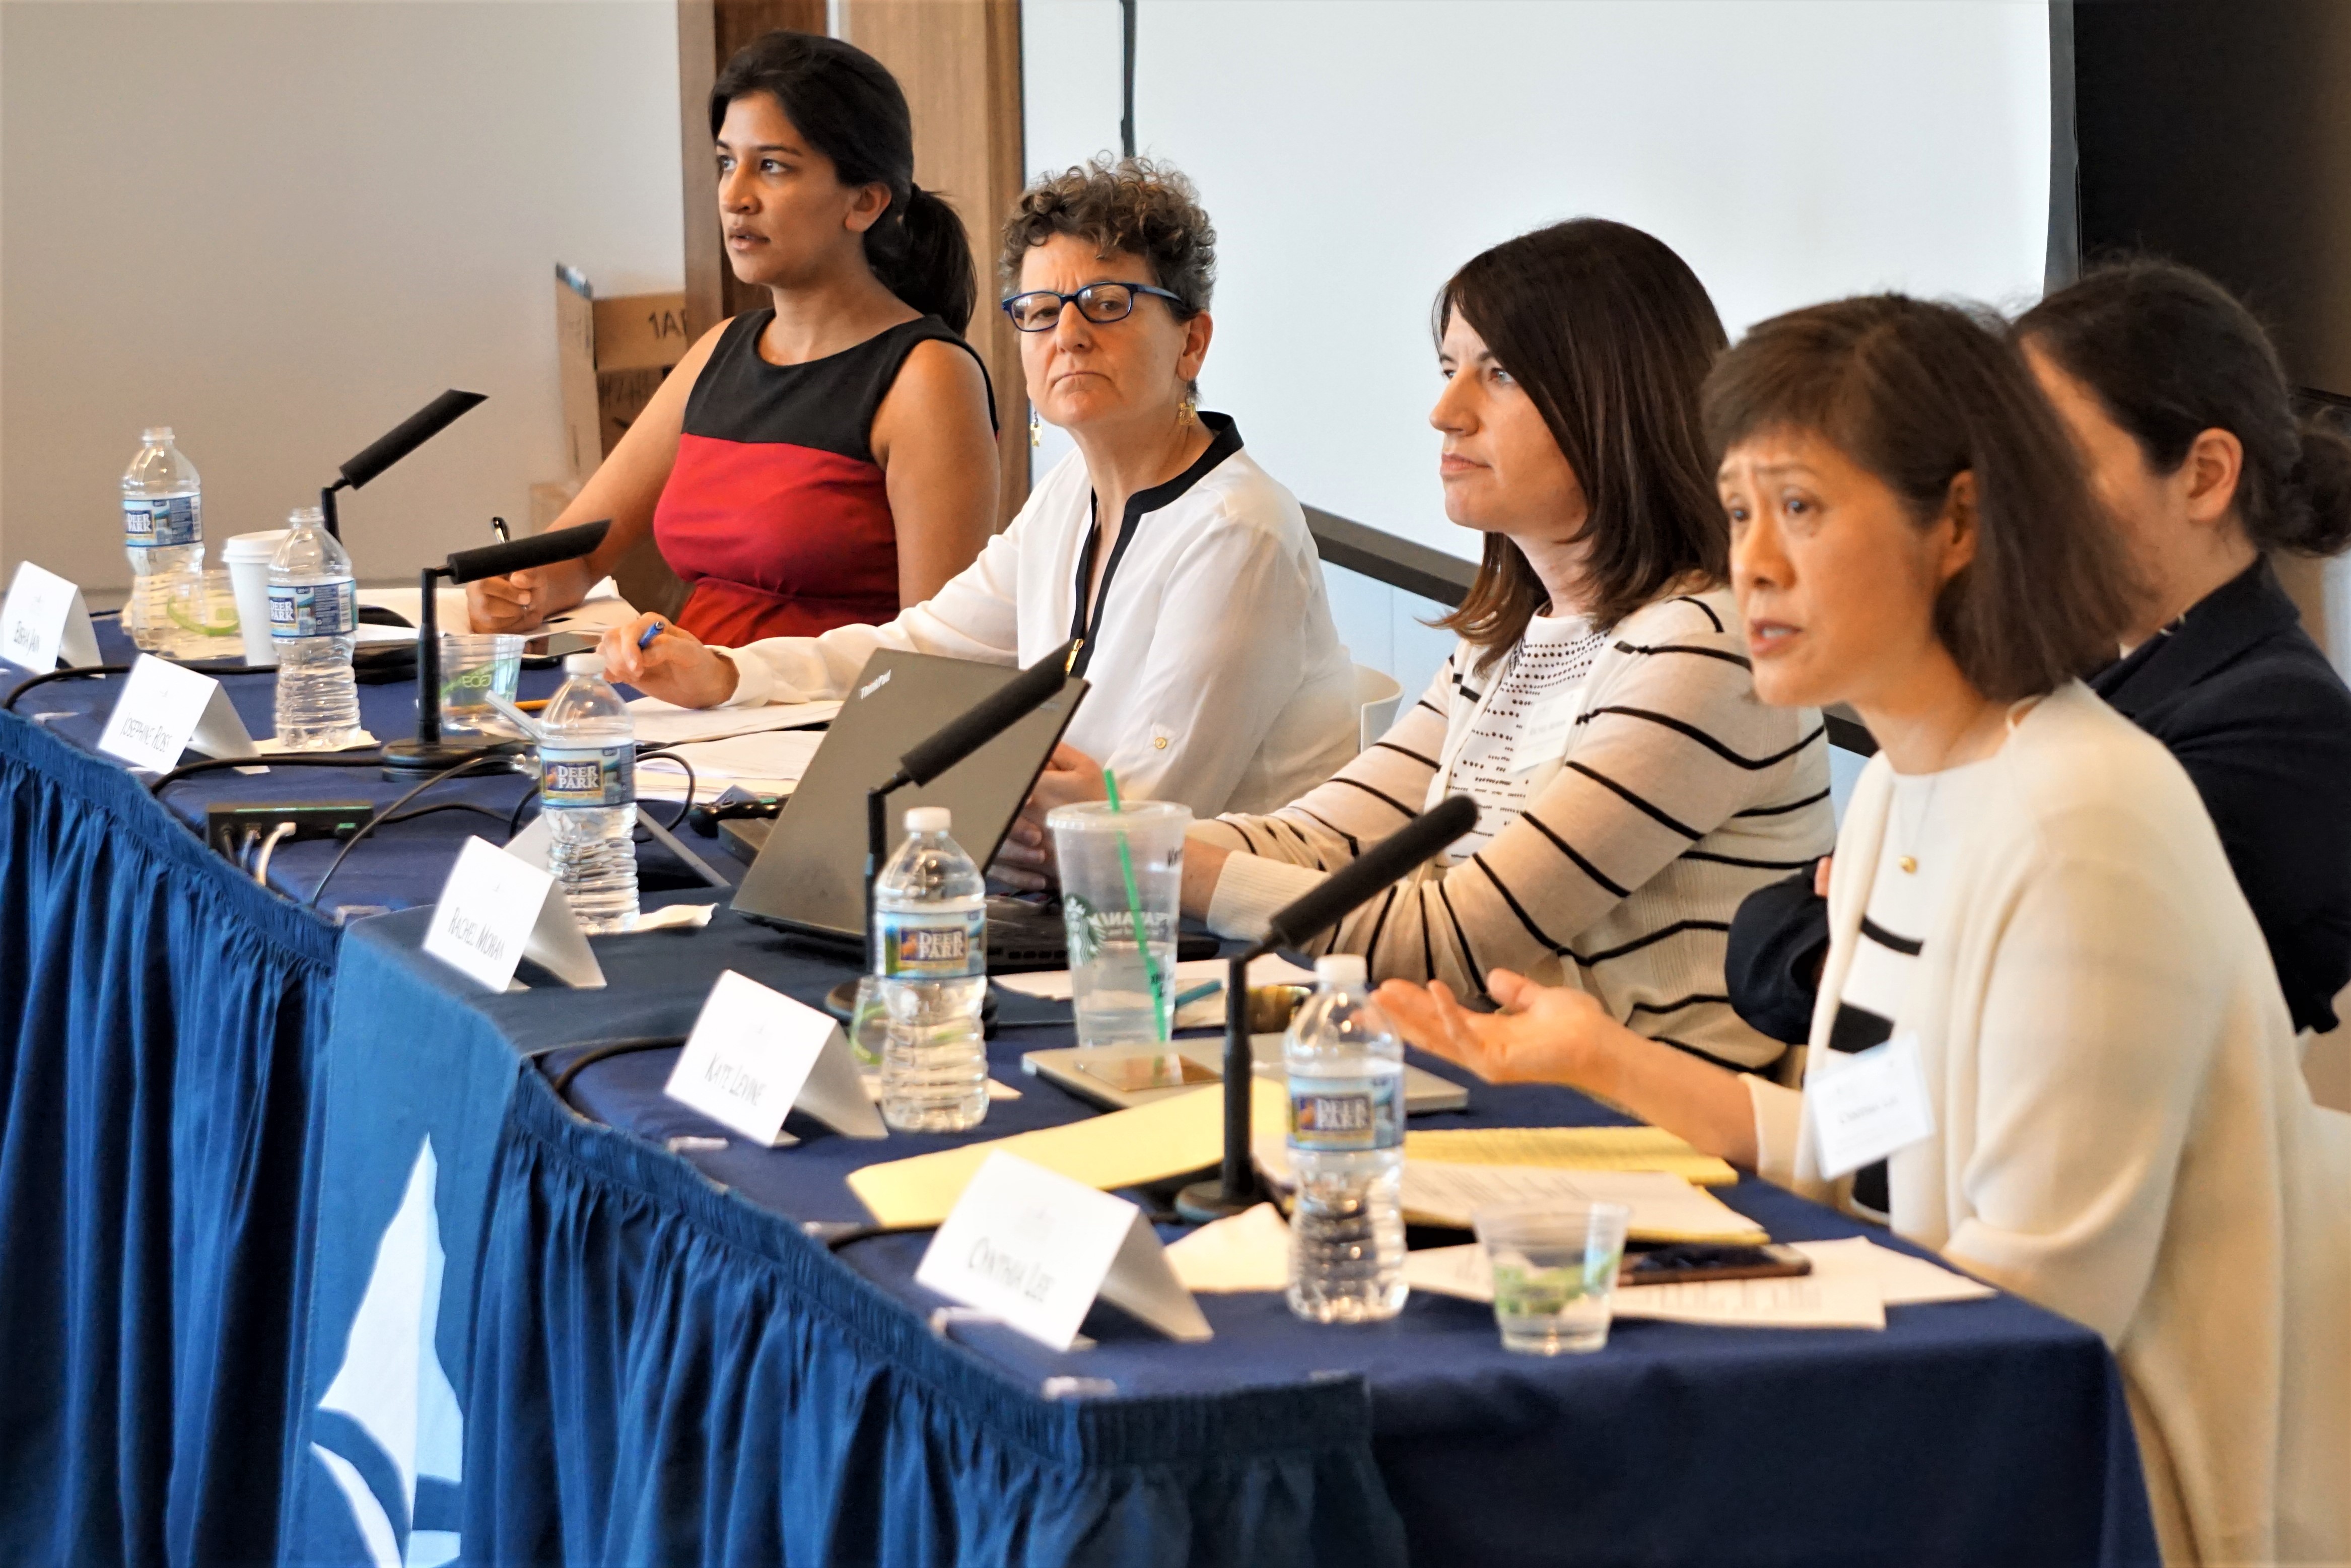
(812, 873)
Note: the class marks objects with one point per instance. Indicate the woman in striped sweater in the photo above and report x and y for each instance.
(1599, 705)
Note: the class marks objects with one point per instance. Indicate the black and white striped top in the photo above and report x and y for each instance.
(1676, 794)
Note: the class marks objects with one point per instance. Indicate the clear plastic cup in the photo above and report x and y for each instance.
(1121, 912)
(472, 666)
(1554, 1268)
(202, 609)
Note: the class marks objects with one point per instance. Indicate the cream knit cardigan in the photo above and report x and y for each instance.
(2123, 1133)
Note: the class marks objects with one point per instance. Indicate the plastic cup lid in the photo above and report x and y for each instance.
(1344, 970)
(591, 662)
(928, 819)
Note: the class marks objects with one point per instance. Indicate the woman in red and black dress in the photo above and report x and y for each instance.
(831, 458)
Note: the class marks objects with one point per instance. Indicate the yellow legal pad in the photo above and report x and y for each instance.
(1151, 1142)
(1571, 1148)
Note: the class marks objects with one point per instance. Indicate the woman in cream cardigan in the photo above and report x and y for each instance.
(2030, 909)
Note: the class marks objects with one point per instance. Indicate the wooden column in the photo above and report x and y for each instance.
(959, 62)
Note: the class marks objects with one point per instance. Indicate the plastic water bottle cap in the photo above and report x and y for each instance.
(928, 819)
(591, 662)
(1341, 971)
(156, 433)
(307, 518)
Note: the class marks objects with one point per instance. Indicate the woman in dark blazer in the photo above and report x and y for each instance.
(2183, 416)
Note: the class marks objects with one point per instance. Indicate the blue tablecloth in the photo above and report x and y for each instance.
(159, 1019)
(631, 1356)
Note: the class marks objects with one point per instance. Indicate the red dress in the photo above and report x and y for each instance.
(776, 514)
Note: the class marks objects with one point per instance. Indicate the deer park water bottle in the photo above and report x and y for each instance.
(1345, 1070)
(930, 957)
(163, 535)
(588, 788)
(313, 613)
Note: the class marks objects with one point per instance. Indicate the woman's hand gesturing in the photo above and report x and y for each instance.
(1545, 1034)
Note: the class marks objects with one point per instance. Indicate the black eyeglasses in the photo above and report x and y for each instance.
(1101, 303)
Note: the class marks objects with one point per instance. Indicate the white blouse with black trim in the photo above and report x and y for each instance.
(1674, 793)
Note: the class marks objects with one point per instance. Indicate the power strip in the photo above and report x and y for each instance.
(233, 829)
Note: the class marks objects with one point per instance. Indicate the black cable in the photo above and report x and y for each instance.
(514, 817)
(214, 764)
(492, 813)
(374, 822)
(692, 783)
(610, 1048)
(43, 679)
(1126, 117)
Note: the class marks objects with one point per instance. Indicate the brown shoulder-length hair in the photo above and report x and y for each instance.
(1611, 334)
(1918, 393)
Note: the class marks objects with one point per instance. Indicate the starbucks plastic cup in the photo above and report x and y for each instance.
(247, 558)
(1120, 910)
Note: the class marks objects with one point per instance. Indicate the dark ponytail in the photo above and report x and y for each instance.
(2171, 354)
(850, 108)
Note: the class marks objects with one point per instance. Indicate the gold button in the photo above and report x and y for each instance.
(1159, 743)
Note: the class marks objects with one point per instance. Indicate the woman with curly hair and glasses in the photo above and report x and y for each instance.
(1184, 573)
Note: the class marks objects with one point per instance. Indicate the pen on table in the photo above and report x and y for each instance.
(1205, 989)
(652, 632)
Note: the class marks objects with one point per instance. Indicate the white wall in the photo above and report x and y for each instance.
(281, 228)
(1353, 155)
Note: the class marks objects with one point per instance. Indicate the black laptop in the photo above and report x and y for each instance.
(809, 876)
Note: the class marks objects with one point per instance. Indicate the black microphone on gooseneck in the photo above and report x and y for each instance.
(1389, 861)
(1386, 863)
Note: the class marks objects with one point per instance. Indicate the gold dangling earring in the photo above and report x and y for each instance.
(1036, 428)
(1188, 411)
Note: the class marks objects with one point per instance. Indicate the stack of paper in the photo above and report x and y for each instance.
(1182, 1132)
(1571, 1148)
(1852, 1283)
(657, 723)
(1664, 1206)
(767, 763)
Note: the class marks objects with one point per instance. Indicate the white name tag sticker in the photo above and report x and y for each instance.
(165, 710)
(755, 1053)
(44, 621)
(496, 911)
(1033, 1247)
(1866, 1105)
(1543, 736)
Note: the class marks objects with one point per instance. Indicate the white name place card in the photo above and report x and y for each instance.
(1033, 1247)
(1866, 1105)
(44, 621)
(535, 842)
(755, 1053)
(164, 710)
(496, 911)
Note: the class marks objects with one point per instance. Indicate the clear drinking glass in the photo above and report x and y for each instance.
(1554, 1271)
(472, 666)
(868, 1025)
(1122, 875)
(202, 609)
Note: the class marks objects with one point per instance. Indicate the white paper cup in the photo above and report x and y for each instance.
(246, 557)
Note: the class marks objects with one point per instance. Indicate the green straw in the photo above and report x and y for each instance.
(1135, 907)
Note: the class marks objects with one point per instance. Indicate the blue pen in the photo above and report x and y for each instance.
(652, 632)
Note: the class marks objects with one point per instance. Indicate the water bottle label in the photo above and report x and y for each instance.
(162, 523)
(587, 775)
(933, 946)
(1347, 1115)
(313, 610)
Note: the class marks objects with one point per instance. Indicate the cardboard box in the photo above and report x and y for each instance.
(614, 354)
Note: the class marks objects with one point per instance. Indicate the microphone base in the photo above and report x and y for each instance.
(1205, 1201)
(407, 762)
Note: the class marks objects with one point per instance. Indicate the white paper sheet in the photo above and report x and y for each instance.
(1899, 1279)
(1272, 969)
(769, 763)
(1810, 1301)
(1248, 1252)
(658, 723)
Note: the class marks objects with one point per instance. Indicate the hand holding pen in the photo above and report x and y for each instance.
(663, 659)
